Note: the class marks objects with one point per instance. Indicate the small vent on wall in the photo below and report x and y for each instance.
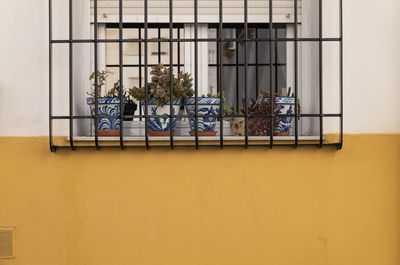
(7, 247)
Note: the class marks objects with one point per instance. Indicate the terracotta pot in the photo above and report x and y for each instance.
(108, 132)
(206, 133)
(159, 133)
(281, 133)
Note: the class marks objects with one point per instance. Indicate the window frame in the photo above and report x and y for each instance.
(270, 142)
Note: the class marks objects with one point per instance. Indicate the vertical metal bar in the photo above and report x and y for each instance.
(121, 75)
(276, 61)
(218, 61)
(146, 115)
(52, 149)
(321, 119)
(196, 73)
(256, 62)
(271, 100)
(237, 72)
(221, 64)
(96, 77)
(178, 45)
(71, 78)
(171, 76)
(159, 46)
(246, 36)
(140, 70)
(296, 125)
(341, 71)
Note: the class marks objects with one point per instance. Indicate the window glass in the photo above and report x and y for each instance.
(258, 59)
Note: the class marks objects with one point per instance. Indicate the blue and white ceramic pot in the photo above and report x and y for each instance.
(161, 126)
(206, 106)
(107, 106)
(284, 105)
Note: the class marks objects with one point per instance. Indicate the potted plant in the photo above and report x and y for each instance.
(260, 126)
(107, 105)
(158, 98)
(207, 105)
(237, 123)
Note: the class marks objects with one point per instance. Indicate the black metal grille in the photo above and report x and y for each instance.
(256, 65)
(196, 40)
(158, 27)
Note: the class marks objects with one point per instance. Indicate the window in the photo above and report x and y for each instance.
(158, 52)
(258, 62)
(265, 49)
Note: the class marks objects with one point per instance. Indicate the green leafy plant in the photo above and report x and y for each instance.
(159, 87)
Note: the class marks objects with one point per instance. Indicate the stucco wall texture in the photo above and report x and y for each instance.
(284, 206)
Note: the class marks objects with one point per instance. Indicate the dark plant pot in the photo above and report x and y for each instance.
(129, 110)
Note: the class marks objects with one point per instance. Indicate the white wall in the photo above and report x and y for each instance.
(23, 68)
(371, 67)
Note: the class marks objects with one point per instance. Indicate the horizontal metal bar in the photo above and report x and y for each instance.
(128, 25)
(193, 116)
(194, 146)
(165, 26)
(249, 64)
(138, 65)
(210, 65)
(200, 40)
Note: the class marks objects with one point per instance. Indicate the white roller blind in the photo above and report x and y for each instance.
(233, 11)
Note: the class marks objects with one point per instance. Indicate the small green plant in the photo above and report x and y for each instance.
(114, 91)
(159, 87)
(226, 108)
(101, 77)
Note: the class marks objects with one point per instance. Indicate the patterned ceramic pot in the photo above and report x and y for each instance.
(161, 126)
(285, 105)
(237, 126)
(107, 107)
(206, 106)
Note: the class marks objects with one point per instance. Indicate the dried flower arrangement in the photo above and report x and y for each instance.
(261, 125)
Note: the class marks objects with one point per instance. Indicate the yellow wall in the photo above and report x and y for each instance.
(281, 207)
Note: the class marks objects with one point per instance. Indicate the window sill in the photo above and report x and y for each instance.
(134, 131)
(192, 138)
